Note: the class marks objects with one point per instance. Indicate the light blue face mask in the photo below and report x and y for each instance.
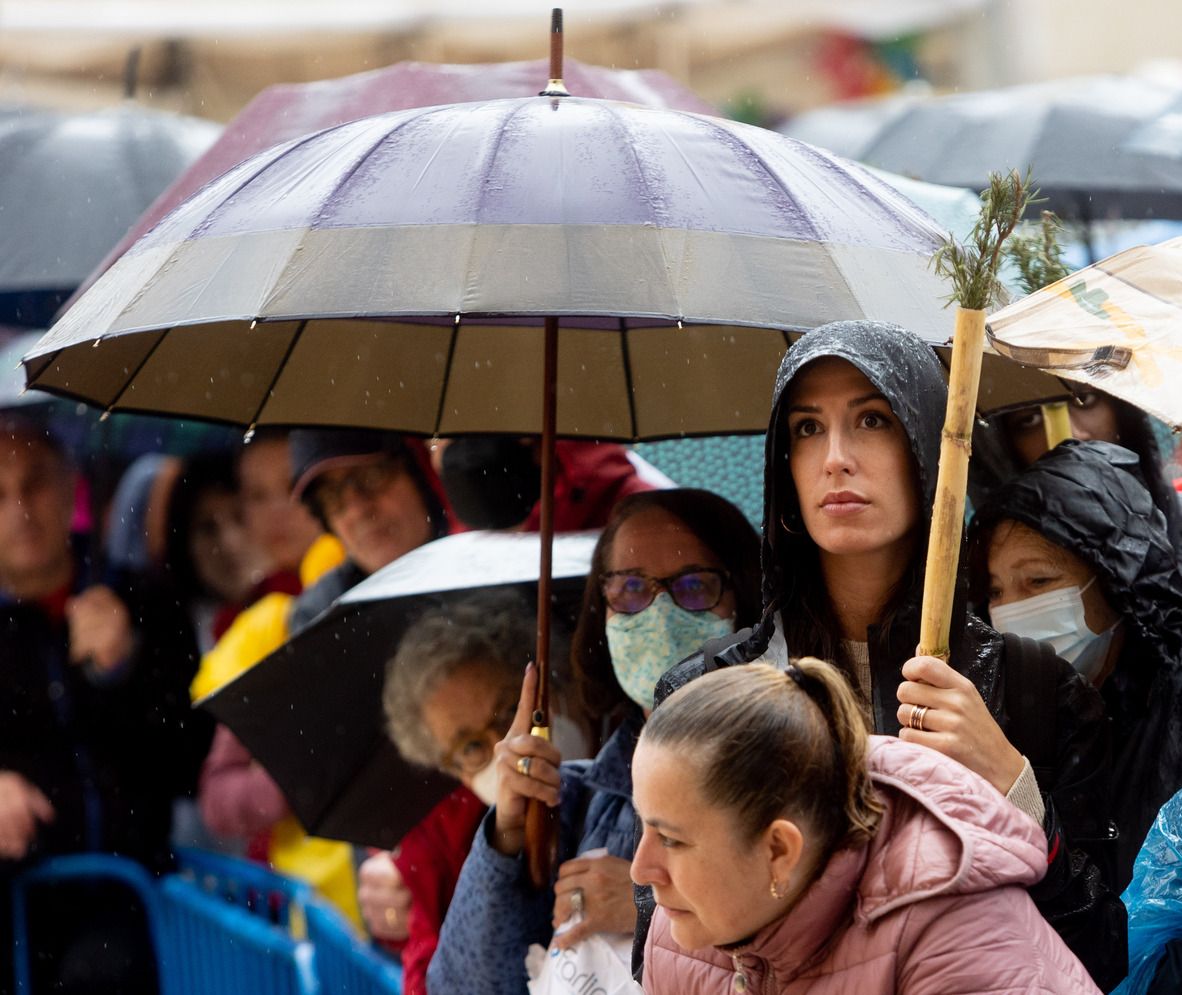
(644, 645)
(1059, 618)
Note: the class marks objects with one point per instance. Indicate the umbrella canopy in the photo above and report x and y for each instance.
(311, 712)
(393, 273)
(1071, 133)
(289, 110)
(101, 447)
(70, 187)
(1116, 325)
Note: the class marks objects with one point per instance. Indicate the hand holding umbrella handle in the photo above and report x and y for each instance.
(541, 833)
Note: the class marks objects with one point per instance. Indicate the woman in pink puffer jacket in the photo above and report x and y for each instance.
(789, 851)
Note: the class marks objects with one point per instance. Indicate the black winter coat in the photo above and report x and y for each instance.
(1089, 499)
(1075, 896)
(110, 754)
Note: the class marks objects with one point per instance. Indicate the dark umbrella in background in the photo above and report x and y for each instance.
(70, 187)
(1072, 134)
(311, 712)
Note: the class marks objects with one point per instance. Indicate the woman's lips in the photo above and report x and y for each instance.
(841, 503)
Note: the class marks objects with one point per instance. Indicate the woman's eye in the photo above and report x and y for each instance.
(669, 843)
(1041, 581)
(804, 428)
(994, 594)
(875, 419)
(1025, 421)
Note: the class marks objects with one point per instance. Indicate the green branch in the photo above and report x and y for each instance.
(1037, 255)
(973, 266)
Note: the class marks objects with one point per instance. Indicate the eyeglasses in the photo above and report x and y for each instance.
(332, 494)
(470, 752)
(696, 589)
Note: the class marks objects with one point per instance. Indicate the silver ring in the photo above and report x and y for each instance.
(523, 764)
(577, 902)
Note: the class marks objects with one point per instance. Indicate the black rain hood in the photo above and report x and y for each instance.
(1090, 499)
(900, 366)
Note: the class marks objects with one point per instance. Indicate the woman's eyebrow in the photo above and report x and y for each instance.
(873, 396)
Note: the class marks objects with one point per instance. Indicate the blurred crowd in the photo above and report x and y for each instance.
(759, 784)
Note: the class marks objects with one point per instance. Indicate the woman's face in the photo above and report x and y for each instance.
(282, 526)
(654, 543)
(851, 463)
(225, 561)
(467, 714)
(1023, 564)
(1093, 417)
(714, 888)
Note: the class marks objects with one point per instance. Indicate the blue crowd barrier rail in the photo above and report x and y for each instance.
(345, 962)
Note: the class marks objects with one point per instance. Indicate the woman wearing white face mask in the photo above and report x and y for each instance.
(1073, 551)
(672, 569)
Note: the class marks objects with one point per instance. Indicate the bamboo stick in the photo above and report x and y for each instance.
(1056, 422)
(939, 587)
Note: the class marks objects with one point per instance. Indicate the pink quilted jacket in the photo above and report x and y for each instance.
(934, 905)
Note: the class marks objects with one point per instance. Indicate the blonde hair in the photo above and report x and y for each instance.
(775, 743)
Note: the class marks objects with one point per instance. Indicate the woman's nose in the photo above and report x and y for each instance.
(838, 458)
(646, 867)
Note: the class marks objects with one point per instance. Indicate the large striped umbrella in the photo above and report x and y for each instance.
(394, 272)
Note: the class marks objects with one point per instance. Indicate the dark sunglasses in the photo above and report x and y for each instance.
(696, 589)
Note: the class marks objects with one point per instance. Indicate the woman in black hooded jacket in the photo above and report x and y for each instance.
(1100, 558)
(855, 428)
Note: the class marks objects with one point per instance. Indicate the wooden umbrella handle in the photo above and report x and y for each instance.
(939, 582)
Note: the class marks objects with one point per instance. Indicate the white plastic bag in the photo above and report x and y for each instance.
(598, 965)
(591, 967)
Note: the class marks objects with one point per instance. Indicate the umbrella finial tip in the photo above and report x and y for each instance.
(253, 322)
(250, 433)
(105, 415)
(97, 342)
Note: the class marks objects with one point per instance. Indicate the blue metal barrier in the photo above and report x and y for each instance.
(344, 962)
(212, 946)
(77, 868)
(225, 926)
(275, 898)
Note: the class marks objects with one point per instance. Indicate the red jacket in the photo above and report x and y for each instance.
(591, 477)
(429, 859)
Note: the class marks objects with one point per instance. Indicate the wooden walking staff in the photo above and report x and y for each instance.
(541, 821)
(973, 270)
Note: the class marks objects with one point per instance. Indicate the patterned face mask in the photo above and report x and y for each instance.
(644, 645)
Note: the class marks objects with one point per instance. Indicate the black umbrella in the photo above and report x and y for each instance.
(311, 712)
(1073, 134)
(70, 187)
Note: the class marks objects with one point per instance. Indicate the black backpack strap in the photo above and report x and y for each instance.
(1031, 702)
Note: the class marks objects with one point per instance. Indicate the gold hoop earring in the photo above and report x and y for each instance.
(774, 888)
(787, 528)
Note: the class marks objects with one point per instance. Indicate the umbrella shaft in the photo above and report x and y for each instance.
(546, 525)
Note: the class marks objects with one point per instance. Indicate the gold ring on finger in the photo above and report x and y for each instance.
(523, 765)
(917, 716)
